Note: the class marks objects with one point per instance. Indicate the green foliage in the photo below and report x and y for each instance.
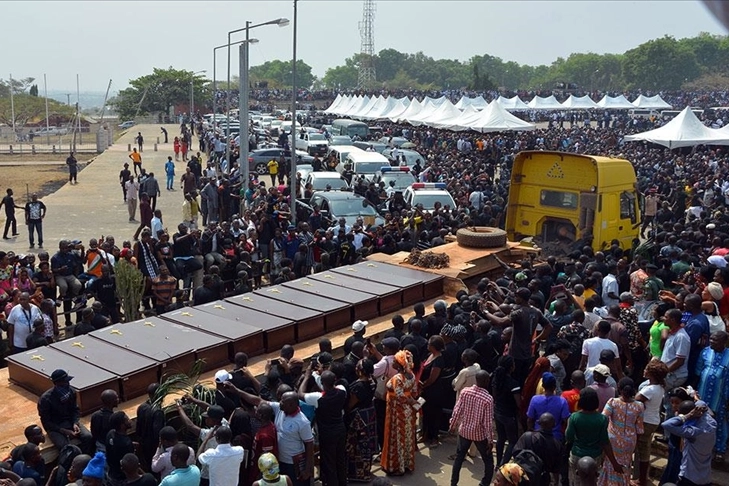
(660, 64)
(180, 384)
(17, 85)
(29, 109)
(279, 74)
(159, 91)
(664, 63)
(129, 288)
(33, 90)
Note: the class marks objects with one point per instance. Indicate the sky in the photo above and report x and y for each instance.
(122, 40)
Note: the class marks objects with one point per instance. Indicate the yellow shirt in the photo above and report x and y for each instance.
(273, 167)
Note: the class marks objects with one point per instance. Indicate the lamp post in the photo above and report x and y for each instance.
(281, 22)
(292, 169)
(192, 93)
(215, 72)
(243, 108)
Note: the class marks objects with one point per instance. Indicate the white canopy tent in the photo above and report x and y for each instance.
(386, 106)
(334, 104)
(412, 110)
(344, 108)
(685, 130)
(616, 103)
(374, 106)
(512, 104)
(494, 118)
(550, 103)
(464, 119)
(651, 103)
(446, 111)
(579, 103)
(478, 102)
(397, 109)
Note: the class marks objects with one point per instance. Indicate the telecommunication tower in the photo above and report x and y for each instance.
(366, 76)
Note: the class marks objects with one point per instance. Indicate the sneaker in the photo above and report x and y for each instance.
(40, 245)
(5, 238)
(32, 246)
(16, 234)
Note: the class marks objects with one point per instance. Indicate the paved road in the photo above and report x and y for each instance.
(95, 205)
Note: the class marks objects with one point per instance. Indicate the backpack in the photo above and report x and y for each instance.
(532, 465)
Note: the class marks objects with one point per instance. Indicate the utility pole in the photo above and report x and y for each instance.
(366, 75)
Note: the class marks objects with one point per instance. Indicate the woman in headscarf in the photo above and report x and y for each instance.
(399, 445)
(361, 423)
(541, 366)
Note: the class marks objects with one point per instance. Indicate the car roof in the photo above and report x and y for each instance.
(339, 195)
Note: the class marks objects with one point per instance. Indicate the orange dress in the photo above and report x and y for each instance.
(399, 445)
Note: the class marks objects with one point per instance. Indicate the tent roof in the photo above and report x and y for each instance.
(550, 103)
(413, 109)
(617, 103)
(494, 118)
(685, 130)
(579, 103)
(512, 104)
(651, 102)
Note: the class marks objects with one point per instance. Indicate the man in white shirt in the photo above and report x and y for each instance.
(224, 461)
(162, 460)
(592, 347)
(20, 323)
(157, 224)
(610, 291)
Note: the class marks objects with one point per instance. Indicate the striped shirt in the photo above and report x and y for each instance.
(474, 414)
(164, 288)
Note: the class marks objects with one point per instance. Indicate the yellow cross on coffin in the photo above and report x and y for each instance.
(218, 307)
(350, 269)
(247, 299)
(115, 331)
(78, 344)
(371, 265)
(307, 284)
(274, 291)
(37, 357)
(329, 276)
(149, 324)
(186, 314)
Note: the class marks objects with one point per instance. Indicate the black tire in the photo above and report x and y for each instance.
(481, 237)
(261, 168)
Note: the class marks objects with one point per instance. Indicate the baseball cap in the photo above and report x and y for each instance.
(358, 326)
(215, 412)
(607, 355)
(602, 369)
(391, 343)
(222, 376)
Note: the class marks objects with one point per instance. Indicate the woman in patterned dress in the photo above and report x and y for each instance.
(361, 423)
(398, 449)
(625, 416)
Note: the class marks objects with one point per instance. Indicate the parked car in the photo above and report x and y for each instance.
(312, 143)
(427, 194)
(320, 180)
(127, 124)
(366, 146)
(410, 156)
(401, 176)
(340, 140)
(344, 204)
(52, 131)
(258, 159)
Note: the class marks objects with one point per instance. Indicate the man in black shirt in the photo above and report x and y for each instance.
(60, 414)
(187, 254)
(37, 338)
(206, 293)
(118, 444)
(85, 326)
(133, 473)
(72, 164)
(358, 329)
(124, 176)
(104, 291)
(100, 419)
(397, 331)
(10, 208)
(241, 377)
(150, 420)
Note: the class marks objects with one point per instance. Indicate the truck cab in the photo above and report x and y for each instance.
(572, 200)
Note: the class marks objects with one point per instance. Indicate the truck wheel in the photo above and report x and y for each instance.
(261, 168)
(481, 237)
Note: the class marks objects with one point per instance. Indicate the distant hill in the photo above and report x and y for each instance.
(87, 99)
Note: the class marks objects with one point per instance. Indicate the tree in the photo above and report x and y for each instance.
(34, 90)
(340, 77)
(17, 85)
(29, 109)
(279, 74)
(660, 64)
(388, 62)
(159, 91)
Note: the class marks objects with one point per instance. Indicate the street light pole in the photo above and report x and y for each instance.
(243, 109)
(192, 93)
(292, 169)
(282, 22)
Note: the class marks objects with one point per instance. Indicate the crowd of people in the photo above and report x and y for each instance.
(568, 368)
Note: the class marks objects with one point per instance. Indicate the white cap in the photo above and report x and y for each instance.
(221, 376)
(358, 326)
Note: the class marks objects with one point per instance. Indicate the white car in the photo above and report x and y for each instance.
(53, 131)
(126, 124)
(427, 194)
(320, 181)
(312, 143)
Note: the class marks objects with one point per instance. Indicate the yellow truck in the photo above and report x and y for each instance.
(572, 200)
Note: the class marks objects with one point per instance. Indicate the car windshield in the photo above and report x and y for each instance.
(316, 136)
(428, 200)
(367, 167)
(320, 183)
(350, 207)
(402, 179)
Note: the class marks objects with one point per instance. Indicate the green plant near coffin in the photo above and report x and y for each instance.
(129, 289)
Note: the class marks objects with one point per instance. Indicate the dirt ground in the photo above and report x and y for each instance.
(27, 178)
